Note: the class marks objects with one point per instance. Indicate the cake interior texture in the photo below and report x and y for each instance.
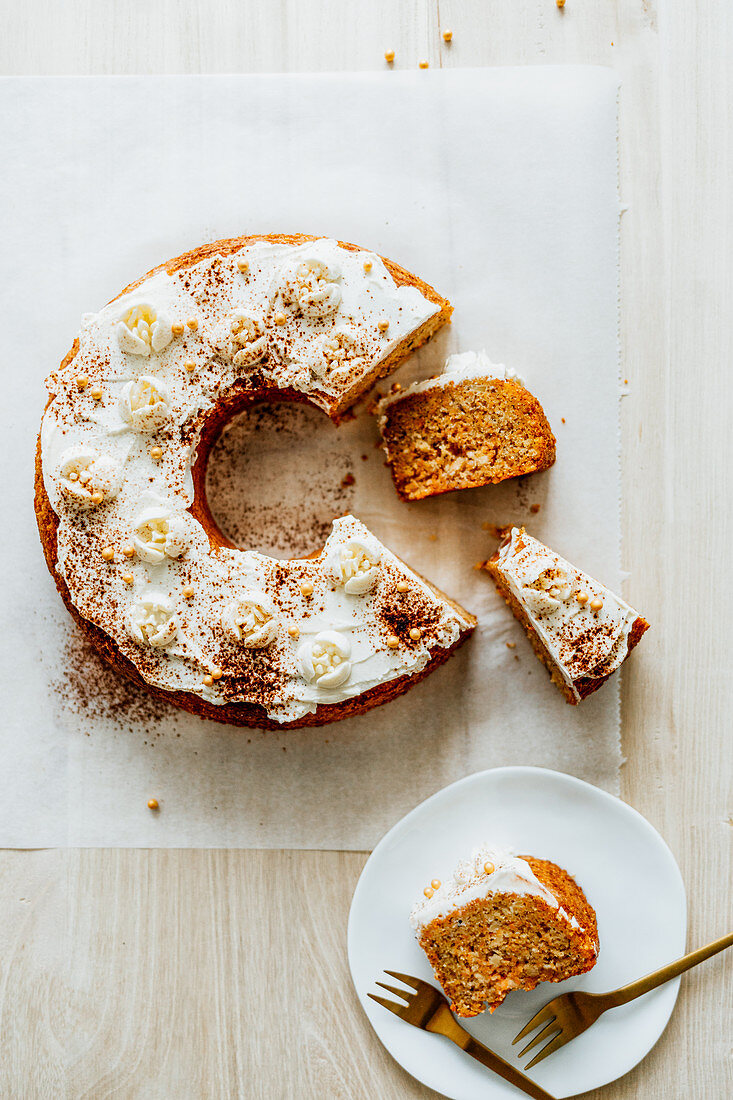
(505, 941)
(465, 434)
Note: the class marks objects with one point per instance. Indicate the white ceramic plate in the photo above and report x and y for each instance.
(628, 873)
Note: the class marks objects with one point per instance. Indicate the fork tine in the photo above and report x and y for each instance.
(554, 1044)
(397, 992)
(397, 1009)
(414, 983)
(540, 1017)
(545, 1033)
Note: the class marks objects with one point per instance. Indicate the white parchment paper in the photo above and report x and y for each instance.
(497, 186)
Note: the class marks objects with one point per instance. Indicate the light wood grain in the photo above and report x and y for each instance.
(223, 974)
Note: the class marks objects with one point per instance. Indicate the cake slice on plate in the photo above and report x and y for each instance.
(578, 628)
(474, 424)
(504, 922)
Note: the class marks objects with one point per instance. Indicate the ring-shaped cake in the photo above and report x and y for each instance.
(134, 409)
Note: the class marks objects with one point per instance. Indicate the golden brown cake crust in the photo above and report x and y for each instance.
(465, 434)
(584, 685)
(245, 714)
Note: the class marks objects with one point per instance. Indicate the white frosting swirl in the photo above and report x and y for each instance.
(88, 478)
(152, 620)
(159, 532)
(355, 565)
(310, 284)
(324, 660)
(250, 619)
(141, 329)
(145, 403)
(248, 338)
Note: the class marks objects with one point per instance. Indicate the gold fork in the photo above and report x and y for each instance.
(428, 1009)
(571, 1014)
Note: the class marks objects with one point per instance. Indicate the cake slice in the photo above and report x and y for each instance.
(472, 425)
(577, 627)
(504, 922)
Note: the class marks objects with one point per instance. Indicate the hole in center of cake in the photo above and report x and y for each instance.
(277, 477)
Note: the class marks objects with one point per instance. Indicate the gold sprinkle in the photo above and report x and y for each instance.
(511, 645)
(97, 498)
(108, 553)
(280, 318)
(383, 326)
(306, 589)
(153, 804)
(82, 382)
(560, 3)
(193, 323)
(128, 578)
(435, 884)
(177, 329)
(416, 633)
(582, 598)
(208, 681)
(402, 586)
(243, 266)
(367, 266)
(396, 387)
(393, 641)
(428, 892)
(424, 64)
(156, 453)
(489, 868)
(96, 393)
(447, 36)
(217, 673)
(293, 631)
(596, 605)
(187, 592)
(189, 366)
(389, 56)
(128, 550)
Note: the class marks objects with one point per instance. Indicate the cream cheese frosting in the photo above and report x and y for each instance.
(489, 870)
(584, 626)
(118, 441)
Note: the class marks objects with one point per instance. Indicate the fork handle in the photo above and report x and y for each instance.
(666, 973)
(444, 1023)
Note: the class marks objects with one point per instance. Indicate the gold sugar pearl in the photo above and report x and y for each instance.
(447, 36)
(389, 56)
(243, 266)
(383, 326)
(96, 393)
(582, 598)
(187, 592)
(396, 387)
(393, 641)
(97, 498)
(177, 329)
(82, 382)
(193, 323)
(208, 681)
(153, 804)
(424, 64)
(435, 884)
(416, 633)
(489, 868)
(306, 589)
(189, 366)
(367, 266)
(108, 553)
(128, 578)
(596, 605)
(217, 673)
(293, 631)
(428, 892)
(156, 453)
(402, 586)
(128, 550)
(280, 318)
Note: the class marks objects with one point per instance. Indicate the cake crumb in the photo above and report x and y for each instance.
(389, 56)
(511, 645)
(534, 508)
(562, 419)
(153, 804)
(347, 481)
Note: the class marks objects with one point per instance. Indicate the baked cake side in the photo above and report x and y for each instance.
(578, 628)
(475, 424)
(504, 922)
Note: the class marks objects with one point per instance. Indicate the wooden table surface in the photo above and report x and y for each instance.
(208, 974)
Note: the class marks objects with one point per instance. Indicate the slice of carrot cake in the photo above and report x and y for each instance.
(577, 627)
(472, 425)
(504, 922)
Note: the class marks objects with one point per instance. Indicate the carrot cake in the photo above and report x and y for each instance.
(474, 424)
(577, 627)
(504, 922)
(134, 408)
